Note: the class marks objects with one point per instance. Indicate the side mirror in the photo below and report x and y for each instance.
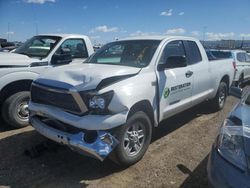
(236, 92)
(173, 62)
(62, 58)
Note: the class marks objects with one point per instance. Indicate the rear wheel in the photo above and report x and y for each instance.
(15, 109)
(134, 138)
(219, 100)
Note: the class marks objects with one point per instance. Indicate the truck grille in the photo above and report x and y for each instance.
(60, 99)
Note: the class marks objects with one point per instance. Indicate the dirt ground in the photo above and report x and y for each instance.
(177, 157)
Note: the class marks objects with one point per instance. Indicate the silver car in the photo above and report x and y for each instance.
(229, 160)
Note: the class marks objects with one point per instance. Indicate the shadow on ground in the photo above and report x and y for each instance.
(197, 178)
(169, 125)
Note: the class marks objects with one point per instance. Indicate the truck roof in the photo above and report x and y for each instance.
(64, 35)
(159, 37)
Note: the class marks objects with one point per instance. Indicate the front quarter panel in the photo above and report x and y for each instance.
(9, 75)
(132, 90)
(16, 76)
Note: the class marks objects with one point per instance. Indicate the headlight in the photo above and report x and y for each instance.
(98, 104)
(231, 145)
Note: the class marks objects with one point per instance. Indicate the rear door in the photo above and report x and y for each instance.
(201, 72)
(175, 84)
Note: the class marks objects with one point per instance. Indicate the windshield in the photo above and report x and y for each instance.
(38, 46)
(135, 53)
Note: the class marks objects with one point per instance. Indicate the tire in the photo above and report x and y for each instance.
(15, 109)
(128, 150)
(219, 100)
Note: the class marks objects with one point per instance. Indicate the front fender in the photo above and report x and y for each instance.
(16, 76)
(133, 90)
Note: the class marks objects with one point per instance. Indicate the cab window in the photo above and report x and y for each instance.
(76, 47)
(174, 48)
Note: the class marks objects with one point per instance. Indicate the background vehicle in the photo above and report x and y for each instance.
(228, 163)
(113, 100)
(242, 61)
(8, 46)
(37, 55)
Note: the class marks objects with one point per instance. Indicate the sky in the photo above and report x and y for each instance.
(107, 20)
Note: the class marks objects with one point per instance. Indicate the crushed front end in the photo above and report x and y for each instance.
(97, 144)
(61, 115)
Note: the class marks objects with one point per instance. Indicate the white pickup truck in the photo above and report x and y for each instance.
(37, 55)
(108, 105)
(241, 62)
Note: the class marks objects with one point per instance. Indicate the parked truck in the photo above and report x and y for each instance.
(109, 105)
(37, 55)
(241, 63)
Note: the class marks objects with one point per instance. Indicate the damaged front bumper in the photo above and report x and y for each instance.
(98, 148)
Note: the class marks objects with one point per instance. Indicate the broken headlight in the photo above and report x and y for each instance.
(98, 104)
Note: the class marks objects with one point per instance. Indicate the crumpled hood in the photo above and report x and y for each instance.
(85, 76)
(14, 59)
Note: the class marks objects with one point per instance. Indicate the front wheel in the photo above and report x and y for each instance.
(219, 100)
(15, 109)
(134, 138)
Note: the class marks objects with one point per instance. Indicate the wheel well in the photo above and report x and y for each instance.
(226, 80)
(14, 87)
(144, 106)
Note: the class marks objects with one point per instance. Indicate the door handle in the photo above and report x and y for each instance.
(189, 74)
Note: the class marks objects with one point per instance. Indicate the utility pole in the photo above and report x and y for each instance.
(34, 19)
(8, 33)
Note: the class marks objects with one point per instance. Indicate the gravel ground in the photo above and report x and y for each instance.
(177, 157)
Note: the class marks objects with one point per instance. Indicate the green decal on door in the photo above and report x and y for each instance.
(166, 92)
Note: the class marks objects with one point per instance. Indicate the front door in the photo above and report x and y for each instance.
(175, 84)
